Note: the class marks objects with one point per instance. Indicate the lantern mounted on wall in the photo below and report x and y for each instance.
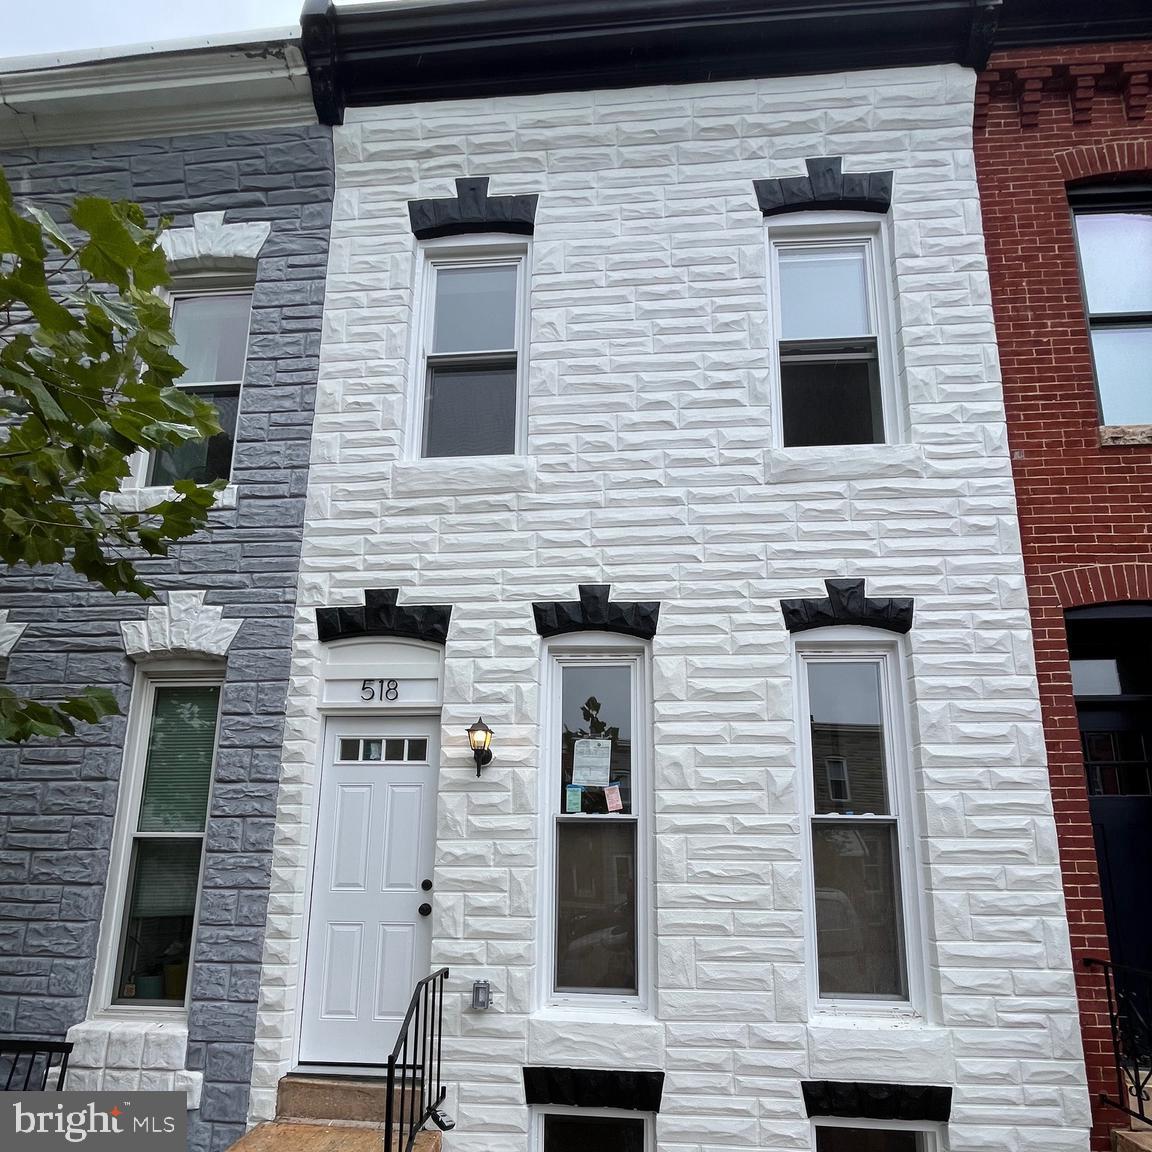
(479, 739)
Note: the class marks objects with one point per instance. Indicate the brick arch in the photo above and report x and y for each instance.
(1103, 584)
(1105, 159)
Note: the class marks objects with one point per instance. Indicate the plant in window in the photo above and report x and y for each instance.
(87, 375)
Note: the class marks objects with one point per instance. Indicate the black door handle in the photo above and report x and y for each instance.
(425, 909)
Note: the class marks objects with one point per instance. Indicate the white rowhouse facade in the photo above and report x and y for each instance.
(755, 846)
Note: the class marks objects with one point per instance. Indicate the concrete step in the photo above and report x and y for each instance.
(337, 1098)
(1139, 1140)
(291, 1136)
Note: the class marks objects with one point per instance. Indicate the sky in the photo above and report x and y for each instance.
(41, 27)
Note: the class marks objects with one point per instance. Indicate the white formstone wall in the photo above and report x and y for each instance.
(649, 469)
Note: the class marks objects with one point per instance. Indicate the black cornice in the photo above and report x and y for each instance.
(382, 616)
(595, 612)
(1035, 23)
(826, 187)
(472, 210)
(397, 52)
(848, 603)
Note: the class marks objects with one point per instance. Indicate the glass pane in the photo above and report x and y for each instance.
(596, 906)
(604, 1133)
(471, 411)
(859, 930)
(178, 772)
(417, 749)
(202, 460)
(1095, 677)
(1124, 374)
(866, 1140)
(1116, 257)
(823, 293)
(596, 739)
(833, 401)
(475, 309)
(847, 726)
(349, 749)
(373, 749)
(211, 336)
(160, 912)
(393, 749)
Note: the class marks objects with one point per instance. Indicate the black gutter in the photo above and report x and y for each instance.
(399, 53)
(1039, 23)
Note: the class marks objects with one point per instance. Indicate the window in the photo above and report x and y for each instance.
(470, 356)
(577, 1130)
(211, 330)
(859, 870)
(165, 800)
(873, 1136)
(1114, 238)
(827, 341)
(597, 810)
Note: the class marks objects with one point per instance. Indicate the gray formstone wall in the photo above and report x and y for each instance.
(58, 800)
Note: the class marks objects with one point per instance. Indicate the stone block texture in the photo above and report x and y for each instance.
(1047, 118)
(58, 800)
(650, 467)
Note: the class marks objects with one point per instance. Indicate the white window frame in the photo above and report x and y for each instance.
(157, 674)
(541, 1110)
(453, 252)
(867, 230)
(584, 649)
(873, 646)
(185, 288)
(932, 1131)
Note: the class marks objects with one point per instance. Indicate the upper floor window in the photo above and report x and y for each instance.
(471, 354)
(828, 339)
(1114, 238)
(211, 329)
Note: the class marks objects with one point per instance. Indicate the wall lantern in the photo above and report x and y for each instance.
(479, 737)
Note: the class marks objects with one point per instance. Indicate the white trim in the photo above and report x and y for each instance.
(140, 712)
(539, 1111)
(848, 229)
(577, 649)
(179, 87)
(932, 1131)
(456, 251)
(886, 650)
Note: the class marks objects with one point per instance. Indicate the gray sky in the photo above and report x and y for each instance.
(38, 27)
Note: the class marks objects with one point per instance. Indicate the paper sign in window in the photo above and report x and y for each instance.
(612, 798)
(591, 762)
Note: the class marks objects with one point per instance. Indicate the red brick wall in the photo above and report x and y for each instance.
(1045, 117)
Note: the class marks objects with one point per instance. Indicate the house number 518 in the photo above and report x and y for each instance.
(380, 690)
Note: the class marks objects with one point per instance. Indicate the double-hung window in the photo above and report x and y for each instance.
(211, 329)
(160, 845)
(860, 842)
(829, 354)
(578, 1129)
(597, 812)
(471, 356)
(1114, 238)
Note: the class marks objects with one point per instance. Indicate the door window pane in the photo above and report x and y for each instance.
(202, 460)
(179, 766)
(585, 1133)
(211, 336)
(160, 914)
(470, 411)
(867, 1140)
(1116, 258)
(844, 705)
(596, 738)
(830, 400)
(859, 933)
(823, 293)
(475, 309)
(1124, 373)
(596, 906)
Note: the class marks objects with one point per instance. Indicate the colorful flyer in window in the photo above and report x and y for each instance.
(612, 798)
(573, 794)
(591, 762)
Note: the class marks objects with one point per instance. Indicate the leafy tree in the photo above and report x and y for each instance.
(86, 380)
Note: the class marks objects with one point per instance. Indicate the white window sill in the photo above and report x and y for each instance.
(597, 1013)
(1125, 435)
(463, 475)
(856, 1017)
(843, 462)
(141, 498)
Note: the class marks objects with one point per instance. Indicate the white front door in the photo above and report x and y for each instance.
(369, 929)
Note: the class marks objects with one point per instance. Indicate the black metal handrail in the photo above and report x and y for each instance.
(36, 1058)
(417, 1058)
(1129, 993)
